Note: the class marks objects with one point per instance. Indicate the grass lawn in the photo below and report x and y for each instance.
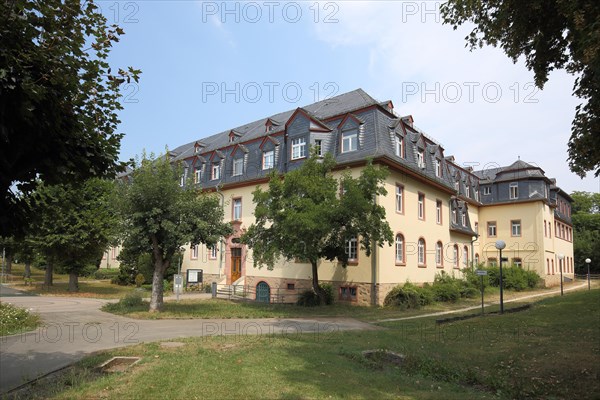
(550, 351)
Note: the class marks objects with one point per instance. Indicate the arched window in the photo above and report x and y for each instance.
(466, 256)
(439, 260)
(421, 251)
(476, 258)
(399, 249)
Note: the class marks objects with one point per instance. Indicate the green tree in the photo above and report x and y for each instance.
(550, 34)
(59, 99)
(7, 246)
(74, 225)
(586, 226)
(160, 216)
(304, 216)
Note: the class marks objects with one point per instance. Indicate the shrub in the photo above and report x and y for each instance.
(446, 291)
(409, 296)
(15, 319)
(107, 273)
(514, 278)
(139, 280)
(131, 302)
(309, 298)
(89, 270)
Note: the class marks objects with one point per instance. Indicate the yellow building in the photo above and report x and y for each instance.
(444, 217)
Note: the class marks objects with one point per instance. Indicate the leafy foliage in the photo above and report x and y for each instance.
(159, 216)
(513, 277)
(59, 99)
(586, 224)
(550, 34)
(408, 296)
(15, 319)
(310, 298)
(303, 216)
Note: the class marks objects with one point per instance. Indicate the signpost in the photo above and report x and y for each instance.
(178, 284)
(481, 273)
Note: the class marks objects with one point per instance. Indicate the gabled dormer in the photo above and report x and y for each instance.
(234, 135)
(351, 133)
(271, 125)
(198, 147)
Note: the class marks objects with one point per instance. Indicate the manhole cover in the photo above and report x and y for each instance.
(118, 364)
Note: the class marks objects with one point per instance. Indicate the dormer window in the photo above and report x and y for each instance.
(399, 146)
(457, 186)
(197, 150)
(438, 167)
(197, 175)
(349, 140)
(514, 190)
(298, 148)
(238, 166)
(421, 159)
(231, 138)
(319, 147)
(487, 190)
(215, 171)
(464, 218)
(268, 159)
(467, 191)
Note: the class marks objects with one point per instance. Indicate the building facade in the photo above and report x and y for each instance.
(444, 216)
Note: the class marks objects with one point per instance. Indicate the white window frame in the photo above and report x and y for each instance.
(438, 167)
(399, 146)
(487, 190)
(513, 190)
(349, 140)
(455, 256)
(492, 226)
(238, 166)
(465, 255)
(215, 171)
(515, 227)
(197, 175)
(213, 253)
(421, 206)
(194, 252)
(467, 191)
(399, 249)
(298, 148)
(463, 218)
(268, 160)
(399, 198)
(438, 212)
(237, 209)
(438, 253)
(319, 147)
(421, 251)
(352, 249)
(421, 158)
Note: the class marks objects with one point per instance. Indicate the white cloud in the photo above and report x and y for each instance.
(418, 62)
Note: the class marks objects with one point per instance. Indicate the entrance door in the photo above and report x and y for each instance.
(236, 264)
(263, 292)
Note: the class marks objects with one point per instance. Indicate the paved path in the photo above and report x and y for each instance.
(478, 307)
(75, 327)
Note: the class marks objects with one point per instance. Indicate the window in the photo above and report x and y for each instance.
(291, 286)
(457, 186)
(476, 194)
(463, 218)
(439, 260)
(115, 253)
(549, 230)
(268, 159)
(438, 167)
(399, 146)
(487, 190)
(215, 171)
(454, 220)
(421, 159)
(238, 166)
(347, 293)
(493, 262)
(194, 252)
(319, 147)
(352, 249)
(514, 190)
(515, 228)
(399, 249)
(476, 258)
(237, 209)
(545, 229)
(421, 251)
(197, 175)
(491, 228)
(467, 191)
(298, 148)
(438, 211)
(517, 262)
(465, 256)
(421, 209)
(455, 256)
(399, 198)
(476, 227)
(349, 140)
(213, 253)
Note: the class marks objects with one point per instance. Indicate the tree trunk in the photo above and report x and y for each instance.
(8, 263)
(27, 269)
(73, 282)
(156, 300)
(48, 275)
(315, 282)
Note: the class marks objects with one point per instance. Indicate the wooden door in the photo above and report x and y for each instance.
(236, 264)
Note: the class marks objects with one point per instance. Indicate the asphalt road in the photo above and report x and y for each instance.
(75, 327)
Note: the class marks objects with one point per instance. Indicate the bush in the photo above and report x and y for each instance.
(409, 296)
(89, 270)
(131, 302)
(139, 280)
(446, 292)
(16, 319)
(309, 298)
(106, 273)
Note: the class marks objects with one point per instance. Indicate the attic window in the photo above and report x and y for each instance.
(231, 138)
(349, 140)
(197, 149)
(421, 159)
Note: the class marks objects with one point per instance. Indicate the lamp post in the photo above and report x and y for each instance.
(473, 240)
(561, 257)
(588, 261)
(500, 245)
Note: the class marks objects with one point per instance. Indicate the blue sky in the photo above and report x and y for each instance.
(211, 66)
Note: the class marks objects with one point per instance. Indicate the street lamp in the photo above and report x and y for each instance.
(500, 245)
(561, 257)
(473, 239)
(588, 261)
